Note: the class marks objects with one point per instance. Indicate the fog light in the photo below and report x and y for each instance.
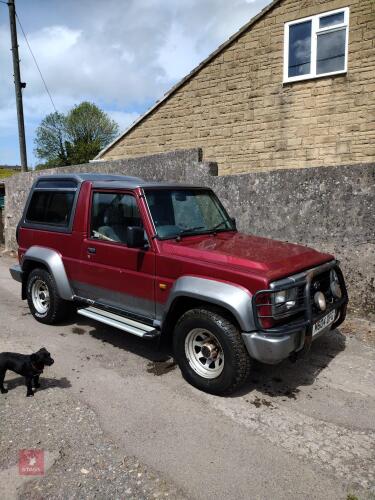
(320, 301)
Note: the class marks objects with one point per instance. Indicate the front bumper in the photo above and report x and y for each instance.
(273, 345)
(16, 272)
(272, 350)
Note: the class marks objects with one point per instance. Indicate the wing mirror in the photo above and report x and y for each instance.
(135, 237)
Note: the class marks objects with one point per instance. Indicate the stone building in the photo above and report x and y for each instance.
(294, 87)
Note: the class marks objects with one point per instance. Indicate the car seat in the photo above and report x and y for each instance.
(115, 227)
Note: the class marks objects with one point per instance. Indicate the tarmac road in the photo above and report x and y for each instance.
(114, 407)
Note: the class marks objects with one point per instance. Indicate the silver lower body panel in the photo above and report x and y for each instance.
(272, 350)
(16, 272)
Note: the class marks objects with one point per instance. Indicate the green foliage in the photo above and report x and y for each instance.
(74, 138)
(7, 172)
(82, 151)
(51, 138)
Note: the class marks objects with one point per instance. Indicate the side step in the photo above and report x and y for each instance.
(125, 324)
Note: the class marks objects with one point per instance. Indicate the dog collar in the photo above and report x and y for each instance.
(35, 369)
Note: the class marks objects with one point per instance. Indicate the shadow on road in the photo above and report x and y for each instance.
(45, 383)
(148, 349)
(282, 380)
(285, 378)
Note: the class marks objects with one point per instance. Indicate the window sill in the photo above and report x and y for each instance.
(315, 77)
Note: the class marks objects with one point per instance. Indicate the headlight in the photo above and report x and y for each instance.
(335, 284)
(284, 300)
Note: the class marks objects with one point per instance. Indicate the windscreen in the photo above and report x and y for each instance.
(178, 212)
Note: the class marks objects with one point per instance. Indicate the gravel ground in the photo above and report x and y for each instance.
(360, 328)
(85, 463)
(117, 420)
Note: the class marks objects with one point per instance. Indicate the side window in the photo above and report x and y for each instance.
(111, 214)
(50, 208)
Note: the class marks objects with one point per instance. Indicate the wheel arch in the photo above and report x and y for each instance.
(190, 292)
(51, 260)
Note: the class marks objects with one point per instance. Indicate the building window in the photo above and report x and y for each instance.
(316, 46)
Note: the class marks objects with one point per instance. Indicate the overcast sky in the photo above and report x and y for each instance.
(120, 54)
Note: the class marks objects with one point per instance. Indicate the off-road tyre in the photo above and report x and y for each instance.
(57, 308)
(237, 362)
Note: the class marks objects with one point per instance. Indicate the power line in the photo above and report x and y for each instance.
(35, 61)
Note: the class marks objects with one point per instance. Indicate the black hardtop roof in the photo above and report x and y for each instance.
(93, 177)
(112, 181)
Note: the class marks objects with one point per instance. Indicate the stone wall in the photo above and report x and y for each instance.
(329, 208)
(1, 226)
(238, 110)
(182, 166)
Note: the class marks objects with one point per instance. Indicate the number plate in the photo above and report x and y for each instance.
(324, 322)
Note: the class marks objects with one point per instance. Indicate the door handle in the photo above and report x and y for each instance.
(91, 250)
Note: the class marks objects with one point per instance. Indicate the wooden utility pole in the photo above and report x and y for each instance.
(18, 85)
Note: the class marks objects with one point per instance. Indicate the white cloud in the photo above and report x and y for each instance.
(120, 54)
(123, 119)
(179, 54)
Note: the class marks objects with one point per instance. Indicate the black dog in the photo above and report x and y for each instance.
(30, 366)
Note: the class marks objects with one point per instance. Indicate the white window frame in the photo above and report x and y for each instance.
(315, 31)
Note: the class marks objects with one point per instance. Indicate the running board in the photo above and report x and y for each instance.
(117, 321)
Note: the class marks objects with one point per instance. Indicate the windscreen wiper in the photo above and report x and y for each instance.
(213, 229)
(189, 230)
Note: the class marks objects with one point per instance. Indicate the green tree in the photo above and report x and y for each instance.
(50, 141)
(74, 138)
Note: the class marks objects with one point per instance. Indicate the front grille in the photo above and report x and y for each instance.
(269, 317)
(267, 310)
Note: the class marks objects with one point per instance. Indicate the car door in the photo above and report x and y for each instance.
(112, 273)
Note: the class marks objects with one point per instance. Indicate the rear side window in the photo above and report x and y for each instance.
(50, 208)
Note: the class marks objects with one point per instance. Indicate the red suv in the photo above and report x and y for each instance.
(165, 260)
